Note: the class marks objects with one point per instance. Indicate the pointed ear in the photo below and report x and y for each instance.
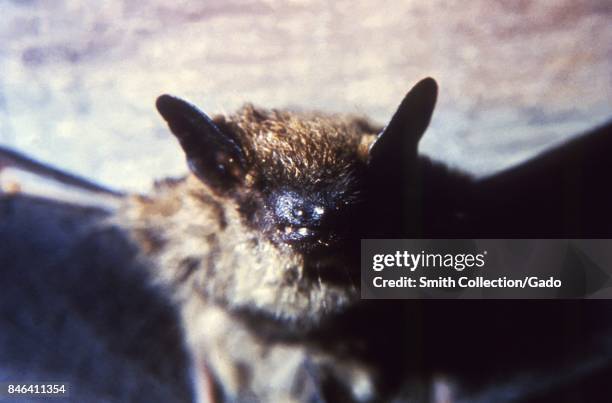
(212, 155)
(408, 124)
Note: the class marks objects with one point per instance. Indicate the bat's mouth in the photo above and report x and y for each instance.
(293, 233)
(298, 233)
(305, 238)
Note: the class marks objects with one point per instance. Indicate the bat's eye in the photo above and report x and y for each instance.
(298, 213)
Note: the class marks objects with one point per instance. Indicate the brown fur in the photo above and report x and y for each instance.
(221, 270)
(299, 147)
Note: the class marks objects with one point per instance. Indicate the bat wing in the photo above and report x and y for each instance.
(76, 304)
(564, 192)
(22, 175)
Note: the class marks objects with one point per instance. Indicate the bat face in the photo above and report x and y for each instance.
(304, 175)
(285, 184)
(293, 188)
(299, 179)
(294, 177)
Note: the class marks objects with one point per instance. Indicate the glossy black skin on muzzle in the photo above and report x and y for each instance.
(300, 217)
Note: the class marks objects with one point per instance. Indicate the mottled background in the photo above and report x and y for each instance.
(78, 79)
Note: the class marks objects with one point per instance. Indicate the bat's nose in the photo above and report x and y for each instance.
(306, 215)
(298, 210)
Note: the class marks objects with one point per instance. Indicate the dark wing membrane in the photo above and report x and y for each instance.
(565, 192)
(77, 307)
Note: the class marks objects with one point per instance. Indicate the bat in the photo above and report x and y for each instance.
(273, 255)
(251, 261)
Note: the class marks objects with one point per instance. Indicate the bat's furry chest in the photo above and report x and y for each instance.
(234, 362)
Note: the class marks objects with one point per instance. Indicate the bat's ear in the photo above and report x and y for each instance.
(213, 155)
(407, 125)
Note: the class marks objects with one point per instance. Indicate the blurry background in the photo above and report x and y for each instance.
(78, 79)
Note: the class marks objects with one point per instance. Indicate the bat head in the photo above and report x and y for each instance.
(299, 178)
(295, 177)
